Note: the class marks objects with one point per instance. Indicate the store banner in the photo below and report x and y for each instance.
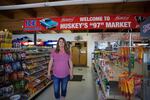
(84, 22)
(145, 28)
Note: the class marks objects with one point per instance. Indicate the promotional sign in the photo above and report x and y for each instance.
(84, 22)
(145, 28)
(135, 37)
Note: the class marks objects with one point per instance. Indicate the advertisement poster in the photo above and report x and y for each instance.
(84, 22)
(145, 28)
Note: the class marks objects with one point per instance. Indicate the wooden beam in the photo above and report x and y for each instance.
(58, 12)
(55, 9)
(146, 7)
(16, 1)
(86, 9)
(118, 8)
(8, 14)
(30, 12)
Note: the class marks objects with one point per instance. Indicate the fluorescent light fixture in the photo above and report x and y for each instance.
(142, 44)
(54, 46)
(52, 43)
(39, 43)
(30, 43)
(24, 43)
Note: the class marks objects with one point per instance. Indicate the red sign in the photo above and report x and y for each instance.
(85, 22)
(134, 37)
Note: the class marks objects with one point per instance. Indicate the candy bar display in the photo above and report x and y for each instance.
(130, 85)
(114, 79)
(36, 64)
(12, 80)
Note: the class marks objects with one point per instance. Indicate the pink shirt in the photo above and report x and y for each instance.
(60, 64)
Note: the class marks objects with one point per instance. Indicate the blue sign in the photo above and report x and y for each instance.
(31, 23)
(145, 28)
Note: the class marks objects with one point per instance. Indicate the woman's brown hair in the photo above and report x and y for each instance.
(67, 50)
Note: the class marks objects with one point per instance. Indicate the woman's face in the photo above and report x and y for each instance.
(61, 43)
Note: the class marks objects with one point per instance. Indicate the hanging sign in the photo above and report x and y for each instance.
(84, 22)
(145, 28)
(135, 37)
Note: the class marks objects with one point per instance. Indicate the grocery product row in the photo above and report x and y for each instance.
(23, 72)
(117, 76)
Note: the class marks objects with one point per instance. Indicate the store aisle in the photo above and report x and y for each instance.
(77, 90)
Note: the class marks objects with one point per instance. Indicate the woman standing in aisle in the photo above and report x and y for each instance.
(62, 68)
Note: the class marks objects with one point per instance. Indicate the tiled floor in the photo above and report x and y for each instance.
(81, 90)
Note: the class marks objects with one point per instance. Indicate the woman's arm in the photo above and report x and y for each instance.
(50, 67)
(71, 68)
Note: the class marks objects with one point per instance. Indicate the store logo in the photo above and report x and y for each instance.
(30, 23)
(122, 18)
(67, 19)
(146, 28)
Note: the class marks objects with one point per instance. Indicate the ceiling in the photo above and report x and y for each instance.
(13, 19)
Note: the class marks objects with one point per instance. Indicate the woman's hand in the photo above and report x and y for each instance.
(71, 75)
(49, 76)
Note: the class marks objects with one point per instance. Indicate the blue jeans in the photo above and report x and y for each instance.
(60, 83)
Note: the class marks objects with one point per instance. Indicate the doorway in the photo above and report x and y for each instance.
(79, 53)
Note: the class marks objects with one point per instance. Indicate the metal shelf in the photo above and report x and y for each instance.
(38, 77)
(37, 71)
(38, 66)
(39, 59)
(35, 61)
(39, 82)
(114, 92)
(39, 91)
(36, 57)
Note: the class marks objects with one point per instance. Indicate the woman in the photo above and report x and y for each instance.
(62, 68)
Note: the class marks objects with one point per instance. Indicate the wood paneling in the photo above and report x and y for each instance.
(83, 56)
(79, 54)
(75, 55)
(11, 25)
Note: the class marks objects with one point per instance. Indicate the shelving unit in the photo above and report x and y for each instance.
(36, 62)
(39, 91)
(114, 92)
(12, 79)
(103, 75)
